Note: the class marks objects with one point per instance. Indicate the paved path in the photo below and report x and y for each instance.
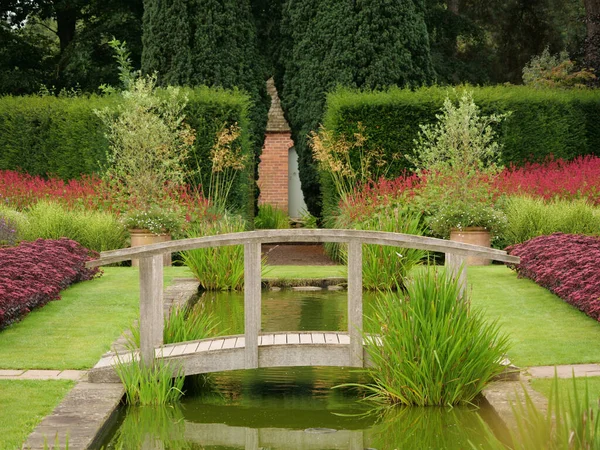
(567, 371)
(75, 375)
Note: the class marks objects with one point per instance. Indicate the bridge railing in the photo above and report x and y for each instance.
(151, 275)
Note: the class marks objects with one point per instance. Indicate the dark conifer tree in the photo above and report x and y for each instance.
(166, 39)
(356, 43)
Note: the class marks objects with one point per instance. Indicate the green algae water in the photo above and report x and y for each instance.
(291, 408)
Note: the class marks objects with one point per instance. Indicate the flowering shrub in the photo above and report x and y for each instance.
(375, 196)
(566, 264)
(579, 178)
(155, 220)
(33, 273)
(20, 191)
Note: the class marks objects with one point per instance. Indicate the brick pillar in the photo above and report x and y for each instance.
(273, 167)
(273, 170)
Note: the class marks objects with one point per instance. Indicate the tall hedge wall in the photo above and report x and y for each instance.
(562, 123)
(63, 137)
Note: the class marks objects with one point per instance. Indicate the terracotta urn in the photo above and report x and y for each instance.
(145, 237)
(473, 235)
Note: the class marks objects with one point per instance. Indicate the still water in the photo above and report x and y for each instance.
(291, 408)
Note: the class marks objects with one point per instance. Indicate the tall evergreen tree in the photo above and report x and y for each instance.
(358, 43)
(166, 40)
(210, 42)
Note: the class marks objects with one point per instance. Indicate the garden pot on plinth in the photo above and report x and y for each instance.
(473, 235)
(146, 237)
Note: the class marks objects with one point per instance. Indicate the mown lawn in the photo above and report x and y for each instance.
(74, 332)
(544, 329)
(23, 404)
(294, 272)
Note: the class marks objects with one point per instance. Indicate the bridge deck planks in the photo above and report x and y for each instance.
(220, 346)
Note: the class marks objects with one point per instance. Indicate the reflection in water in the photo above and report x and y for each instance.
(290, 408)
(286, 310)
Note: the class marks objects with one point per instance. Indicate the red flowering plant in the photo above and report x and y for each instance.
(34, 273)
(566, 264)
(365, 201)
(19, 191)
(575, 179)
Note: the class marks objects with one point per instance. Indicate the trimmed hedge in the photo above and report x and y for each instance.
(34, 273)
(543, 122)
(50, 135)
(63, 137)
(565, 264)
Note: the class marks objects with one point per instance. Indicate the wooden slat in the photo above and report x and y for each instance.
(203, 346)
(318, 338)
(190, 348)
(240, 342)
(178, 350)
(280, 339)
(331, 338)
(216, 344)
(267, 339)
(293, 338)
(305, 338)
(229, 343)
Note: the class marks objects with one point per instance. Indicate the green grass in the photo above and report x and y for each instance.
(544, 330)
(23, 404)
(74, 332)
(565, 387)
(291, 272)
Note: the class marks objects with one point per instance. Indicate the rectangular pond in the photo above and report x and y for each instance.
(292, 408)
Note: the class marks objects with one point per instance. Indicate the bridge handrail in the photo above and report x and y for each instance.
(304, 235)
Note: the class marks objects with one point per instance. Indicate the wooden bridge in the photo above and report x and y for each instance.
(255, 349)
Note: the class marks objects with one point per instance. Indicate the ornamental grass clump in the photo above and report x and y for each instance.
(153, 384)
(386, 267)
(529, 217)
(435, 349)
(184, 323)
(271, 218)
(96, 230)
(217, 268)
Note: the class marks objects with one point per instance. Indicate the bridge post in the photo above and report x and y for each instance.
(355, 309)
(151, 306)
(252, 300)
(457, 265)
